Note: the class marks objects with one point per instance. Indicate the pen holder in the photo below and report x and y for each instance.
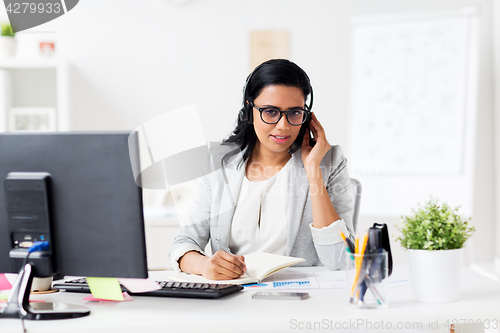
(366, 277)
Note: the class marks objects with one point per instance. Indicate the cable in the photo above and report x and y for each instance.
(19, 305)
(37, 246)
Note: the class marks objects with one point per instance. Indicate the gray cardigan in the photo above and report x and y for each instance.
(211, 211)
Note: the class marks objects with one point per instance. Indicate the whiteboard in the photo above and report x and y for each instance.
(412, 120)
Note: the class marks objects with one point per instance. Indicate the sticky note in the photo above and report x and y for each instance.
(105, 288)
(4, 298)
(139, 285)
(4, 283)
(126, 297)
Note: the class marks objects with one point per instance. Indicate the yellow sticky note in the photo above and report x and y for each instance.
(105, 288)
(4, 297)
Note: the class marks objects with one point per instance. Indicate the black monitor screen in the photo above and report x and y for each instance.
(96, 207)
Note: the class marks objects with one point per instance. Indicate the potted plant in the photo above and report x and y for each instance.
(434, 236)
(7, 41)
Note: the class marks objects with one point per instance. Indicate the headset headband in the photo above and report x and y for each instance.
(309, 107)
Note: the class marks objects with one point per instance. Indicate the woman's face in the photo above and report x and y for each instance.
(280, 136)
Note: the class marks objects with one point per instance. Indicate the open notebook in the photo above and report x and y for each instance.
(260, 265)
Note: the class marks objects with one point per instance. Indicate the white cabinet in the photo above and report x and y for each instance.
(160, 233)
(37, 86)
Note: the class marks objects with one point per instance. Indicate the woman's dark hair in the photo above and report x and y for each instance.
(272, 72)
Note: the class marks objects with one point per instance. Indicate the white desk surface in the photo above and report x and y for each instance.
(479, 299)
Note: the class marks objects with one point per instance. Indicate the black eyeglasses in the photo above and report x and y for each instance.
(272, 115)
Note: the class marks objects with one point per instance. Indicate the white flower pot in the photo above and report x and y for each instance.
(7, 47)
(435, 275)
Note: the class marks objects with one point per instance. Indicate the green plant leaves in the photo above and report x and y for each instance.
(434, 226)
(7, 30)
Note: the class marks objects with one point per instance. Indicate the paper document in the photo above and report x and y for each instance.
(139, 285)
(283, 280)
(398, 279)
(331, 279)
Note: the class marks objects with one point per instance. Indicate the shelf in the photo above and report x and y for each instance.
(36, 82)
(14, 63)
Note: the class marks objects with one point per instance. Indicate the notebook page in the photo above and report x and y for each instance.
(260, 264)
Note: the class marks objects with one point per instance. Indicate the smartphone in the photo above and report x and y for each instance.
(279, 295)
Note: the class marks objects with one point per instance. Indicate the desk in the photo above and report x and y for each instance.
(480, 299)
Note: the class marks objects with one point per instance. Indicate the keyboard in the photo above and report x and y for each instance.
(168, 289)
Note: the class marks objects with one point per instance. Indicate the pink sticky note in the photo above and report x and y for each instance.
(126, 297)
(4, 283)
(139, 285)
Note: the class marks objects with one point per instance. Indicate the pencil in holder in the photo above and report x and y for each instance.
(366, 276)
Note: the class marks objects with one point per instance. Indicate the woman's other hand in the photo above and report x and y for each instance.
(312, 156)
(223, 266)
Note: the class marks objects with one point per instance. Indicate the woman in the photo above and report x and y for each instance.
(279, 192)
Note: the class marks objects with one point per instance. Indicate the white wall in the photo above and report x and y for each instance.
(482, 246)
(496, 94)
(139, 59)
(132, 60)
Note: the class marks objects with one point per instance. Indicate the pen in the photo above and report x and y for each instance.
(227, 250)
(348, 247)
(350, 243)
(224, 247)
(347, 242)
(367, 281)
(374, 290)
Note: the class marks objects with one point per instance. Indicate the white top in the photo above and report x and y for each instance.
(260, 217)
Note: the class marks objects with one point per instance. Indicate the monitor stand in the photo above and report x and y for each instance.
(18, 304)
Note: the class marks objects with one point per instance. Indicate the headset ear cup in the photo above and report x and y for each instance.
(249, 114)
(241, 115)
(246, 115)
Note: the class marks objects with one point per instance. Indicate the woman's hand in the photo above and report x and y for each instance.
(312, 156)
(223, 266)
(323, 211)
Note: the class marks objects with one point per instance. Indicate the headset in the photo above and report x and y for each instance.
(246, 114)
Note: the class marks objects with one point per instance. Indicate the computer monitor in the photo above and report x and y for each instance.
(94, 204)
